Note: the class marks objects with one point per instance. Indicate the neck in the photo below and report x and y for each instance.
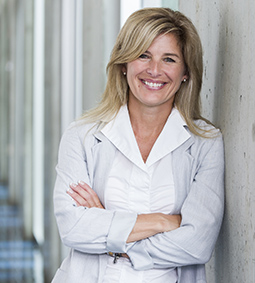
(147, 121)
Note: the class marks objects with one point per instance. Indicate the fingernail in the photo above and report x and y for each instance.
(69, 191)
(73, 185)
(81, 183)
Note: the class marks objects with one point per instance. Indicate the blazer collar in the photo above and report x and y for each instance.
(185, 146)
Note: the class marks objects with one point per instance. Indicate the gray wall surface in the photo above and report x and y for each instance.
(227, 30)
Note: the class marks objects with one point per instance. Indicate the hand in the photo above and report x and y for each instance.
(148, 225)
(170, 222)
(83, 195)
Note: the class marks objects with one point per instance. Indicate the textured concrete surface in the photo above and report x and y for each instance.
(227, 30)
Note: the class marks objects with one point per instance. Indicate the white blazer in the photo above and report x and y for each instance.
(198, 171)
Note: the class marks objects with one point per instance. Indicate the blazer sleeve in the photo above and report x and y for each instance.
(89, 230)
(202, 213)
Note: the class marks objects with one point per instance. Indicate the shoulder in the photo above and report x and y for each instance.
(81, 129)
(79, 133)
(210, 139)
(207, 129)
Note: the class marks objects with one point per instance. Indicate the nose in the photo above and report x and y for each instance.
(154, 68)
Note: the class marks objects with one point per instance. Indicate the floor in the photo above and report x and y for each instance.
(20, 260)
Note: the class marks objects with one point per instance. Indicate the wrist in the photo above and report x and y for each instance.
(162, 223)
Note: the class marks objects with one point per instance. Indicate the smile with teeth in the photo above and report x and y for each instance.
(153, 85)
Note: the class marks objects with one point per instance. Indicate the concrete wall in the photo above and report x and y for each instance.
(227, 30)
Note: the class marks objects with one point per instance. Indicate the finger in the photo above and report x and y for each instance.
(77, 198)
(87, 188)
(81, 195)
(87, 194)
(92, 196)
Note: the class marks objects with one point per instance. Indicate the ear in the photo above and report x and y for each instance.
(185, 78)
(185, 74)
(124, 69)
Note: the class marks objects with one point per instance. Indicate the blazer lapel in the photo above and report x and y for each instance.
(182, 167)
(103, 154)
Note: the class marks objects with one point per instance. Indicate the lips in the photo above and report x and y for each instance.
(153, 85)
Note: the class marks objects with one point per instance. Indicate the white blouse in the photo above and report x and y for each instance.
(141, 187)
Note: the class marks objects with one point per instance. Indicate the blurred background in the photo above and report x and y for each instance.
(53, 56)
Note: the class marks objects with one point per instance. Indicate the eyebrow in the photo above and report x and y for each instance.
(172, 54)
(166, 54)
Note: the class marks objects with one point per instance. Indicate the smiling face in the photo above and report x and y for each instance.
(155, 77)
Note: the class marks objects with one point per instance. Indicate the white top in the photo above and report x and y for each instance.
(140, 187)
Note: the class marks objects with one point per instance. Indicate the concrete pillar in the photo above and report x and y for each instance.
(228, 35)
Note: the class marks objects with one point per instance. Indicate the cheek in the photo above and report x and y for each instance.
(132, 83)
(132, 78)
(134, 68)
(177, 76)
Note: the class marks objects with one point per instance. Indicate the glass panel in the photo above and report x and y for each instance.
(128, 7)
(173, 4)
(151, 3)
(38, 120)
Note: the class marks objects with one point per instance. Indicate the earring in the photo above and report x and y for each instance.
(124, 73)
(184, 80)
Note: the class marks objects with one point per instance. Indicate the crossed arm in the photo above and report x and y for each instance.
(146, 224)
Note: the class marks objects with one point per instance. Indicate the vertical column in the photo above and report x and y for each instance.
(68, 62)
(101, 26)
(72, 61)
(93, 52)
(78, 57)
(19, 104)
(28, 120)
(5, 69)
(10, 10)
(111, 27)
(38, 121)
(52, 244)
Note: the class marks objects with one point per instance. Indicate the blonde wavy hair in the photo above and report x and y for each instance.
(135, 37)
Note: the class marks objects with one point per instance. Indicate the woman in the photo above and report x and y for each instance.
(149, 204)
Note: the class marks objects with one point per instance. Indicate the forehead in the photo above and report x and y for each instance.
(166, 42)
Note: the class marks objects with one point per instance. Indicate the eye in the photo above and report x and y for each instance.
(144, 56)
(169, 60)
